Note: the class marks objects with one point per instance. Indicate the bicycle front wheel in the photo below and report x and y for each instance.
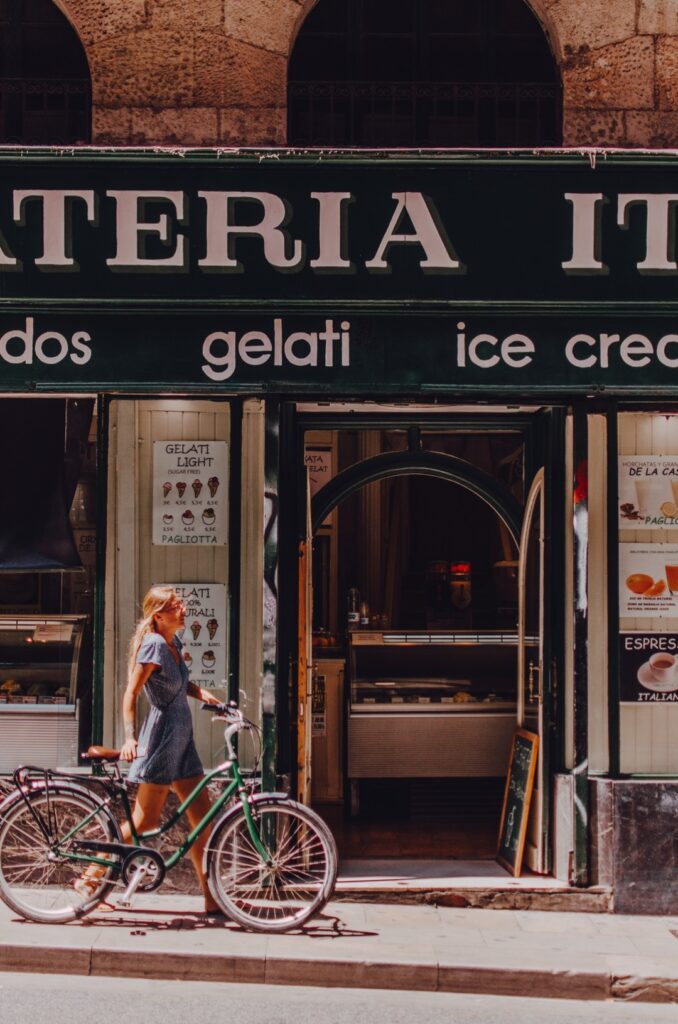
(37, 877)
(294, 882)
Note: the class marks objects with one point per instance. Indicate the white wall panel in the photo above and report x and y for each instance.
(134, 562)
(649, 734)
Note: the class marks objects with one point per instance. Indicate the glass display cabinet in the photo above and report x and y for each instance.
(39, 657)
(431, 704)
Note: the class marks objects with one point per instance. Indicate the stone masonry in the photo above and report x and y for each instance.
(213, 72)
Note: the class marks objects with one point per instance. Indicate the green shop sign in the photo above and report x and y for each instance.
(342, 354)
(341, 272)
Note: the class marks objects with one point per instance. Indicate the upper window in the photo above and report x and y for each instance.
(44, 77)
(430, 73)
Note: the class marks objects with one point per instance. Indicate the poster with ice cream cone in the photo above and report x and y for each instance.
(648, 492)
(189, 492)
(205, 635)
(648, 581)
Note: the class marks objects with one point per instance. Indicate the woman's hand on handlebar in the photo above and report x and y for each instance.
(129, 750)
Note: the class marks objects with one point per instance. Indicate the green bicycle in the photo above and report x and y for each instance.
(271, 863)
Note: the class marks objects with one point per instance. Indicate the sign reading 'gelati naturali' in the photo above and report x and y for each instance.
(257, 227)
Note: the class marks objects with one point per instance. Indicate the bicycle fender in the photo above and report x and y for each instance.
(15, 797)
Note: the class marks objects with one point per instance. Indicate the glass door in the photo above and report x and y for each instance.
(533, 665)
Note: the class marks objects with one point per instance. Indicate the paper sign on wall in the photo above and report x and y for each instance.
(648, 492)
(648, 581)
(648, 668)
(190, 483)
(205, 636)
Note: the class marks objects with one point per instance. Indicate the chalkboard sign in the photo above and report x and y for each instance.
(517, 796)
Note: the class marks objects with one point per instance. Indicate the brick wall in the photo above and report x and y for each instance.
(213, 72)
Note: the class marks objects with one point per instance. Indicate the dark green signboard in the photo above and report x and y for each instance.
(281, 226)
(339, 354)
(278, 271)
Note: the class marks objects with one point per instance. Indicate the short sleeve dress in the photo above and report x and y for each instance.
(166, 749)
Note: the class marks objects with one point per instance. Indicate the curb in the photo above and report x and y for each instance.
(271, 970)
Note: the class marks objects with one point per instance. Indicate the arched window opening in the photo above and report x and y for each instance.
(45, 93)
(423, 73)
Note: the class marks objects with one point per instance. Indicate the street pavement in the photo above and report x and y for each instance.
(366, 945)
(40, 999)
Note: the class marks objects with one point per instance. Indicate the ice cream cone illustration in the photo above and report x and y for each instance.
(213, 484)
(197, 487)
(181, 487)
(166, 488)
(212, 627)
(195, 629)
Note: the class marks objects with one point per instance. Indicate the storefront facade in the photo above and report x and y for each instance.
(199, 327)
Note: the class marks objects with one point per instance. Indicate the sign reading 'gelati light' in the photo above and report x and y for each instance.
(309, 229)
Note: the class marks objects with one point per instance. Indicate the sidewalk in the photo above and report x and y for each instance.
(366, 945)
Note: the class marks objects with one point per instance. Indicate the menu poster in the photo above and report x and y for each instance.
(319, 706)
(190, 481)
(648, 668)
(648, 492)
(205, 635)
(648, 581)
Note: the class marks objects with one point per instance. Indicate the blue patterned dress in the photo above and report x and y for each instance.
(166, 750)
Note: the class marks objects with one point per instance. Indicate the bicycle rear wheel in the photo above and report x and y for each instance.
(37, 880)
(295, 885)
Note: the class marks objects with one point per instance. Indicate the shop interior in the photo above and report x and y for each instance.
(47, 576)
(415, 608)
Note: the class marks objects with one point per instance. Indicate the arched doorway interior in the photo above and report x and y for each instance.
(423, 73)
(45, 92)
(420, 779)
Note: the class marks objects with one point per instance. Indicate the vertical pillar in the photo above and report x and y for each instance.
(580, 525)
(270, 595)
(102, 408)
(613, 720)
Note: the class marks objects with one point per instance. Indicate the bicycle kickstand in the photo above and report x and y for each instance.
(137, 878)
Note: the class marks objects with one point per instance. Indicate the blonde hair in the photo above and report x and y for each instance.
(156, 600)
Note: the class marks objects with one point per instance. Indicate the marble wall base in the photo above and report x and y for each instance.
(634, 843)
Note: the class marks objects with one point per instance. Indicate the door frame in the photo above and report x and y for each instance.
(542, 432)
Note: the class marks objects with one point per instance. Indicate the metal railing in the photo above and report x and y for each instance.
(44, 111)
(424, 114)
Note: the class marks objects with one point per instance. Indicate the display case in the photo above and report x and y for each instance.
(39, 658)
(427, 704)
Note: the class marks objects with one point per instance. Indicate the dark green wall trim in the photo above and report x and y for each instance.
(270, 665)
(234, 535)
(579, 506)
(102, 408)
(292, 530)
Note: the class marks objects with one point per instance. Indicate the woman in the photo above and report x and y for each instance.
(164, 756)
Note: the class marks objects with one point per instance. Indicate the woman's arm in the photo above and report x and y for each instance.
(129, 705)
(206, 696)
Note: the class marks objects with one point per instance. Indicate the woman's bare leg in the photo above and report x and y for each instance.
(147, 809)
(146, 816)
(195, 813)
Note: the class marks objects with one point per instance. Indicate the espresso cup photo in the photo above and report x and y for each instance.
(662, 665)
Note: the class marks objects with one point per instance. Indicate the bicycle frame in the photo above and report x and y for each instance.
(117, 789)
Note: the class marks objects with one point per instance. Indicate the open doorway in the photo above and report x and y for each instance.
(415, 634)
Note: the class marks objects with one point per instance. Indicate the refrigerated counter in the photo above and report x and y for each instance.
(431, 704)
(39, 657)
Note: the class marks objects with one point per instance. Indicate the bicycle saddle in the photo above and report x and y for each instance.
(102, 754)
